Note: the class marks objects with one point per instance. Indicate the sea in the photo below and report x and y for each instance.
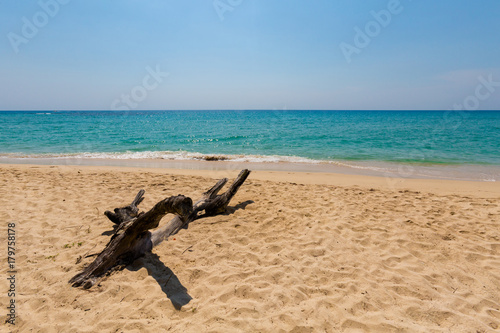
(458, 145)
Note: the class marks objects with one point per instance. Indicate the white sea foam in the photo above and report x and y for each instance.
(174, 155)
(390, 169)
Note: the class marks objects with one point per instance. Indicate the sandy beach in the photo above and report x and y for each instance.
(296, 252)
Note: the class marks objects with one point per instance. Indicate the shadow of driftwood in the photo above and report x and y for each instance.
(241, 205)
(165, 277)
(229, 210)
(110, 232)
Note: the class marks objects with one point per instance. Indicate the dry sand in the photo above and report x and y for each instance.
(297, 253)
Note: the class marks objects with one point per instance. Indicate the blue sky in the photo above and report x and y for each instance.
(249, 54)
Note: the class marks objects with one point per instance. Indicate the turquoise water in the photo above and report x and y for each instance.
(356, 137)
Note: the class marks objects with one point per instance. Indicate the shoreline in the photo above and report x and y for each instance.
(366, 182)
(459, 172)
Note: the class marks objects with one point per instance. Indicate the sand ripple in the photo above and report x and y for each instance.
(288, 258)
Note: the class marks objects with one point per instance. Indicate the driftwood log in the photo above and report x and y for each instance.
(132, 238)
(210, 202)
(127, 213)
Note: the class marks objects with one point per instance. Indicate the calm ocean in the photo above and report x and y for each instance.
(377, 140)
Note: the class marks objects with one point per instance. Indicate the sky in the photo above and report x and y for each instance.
(249, 54)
